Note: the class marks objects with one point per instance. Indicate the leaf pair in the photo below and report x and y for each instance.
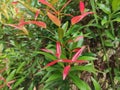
(21, 24)
(78, 18)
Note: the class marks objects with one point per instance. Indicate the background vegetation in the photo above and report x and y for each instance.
(34, 33)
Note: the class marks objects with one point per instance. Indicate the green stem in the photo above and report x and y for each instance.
(111, 24)
(106, 56)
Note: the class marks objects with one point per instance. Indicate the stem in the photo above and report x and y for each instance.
(106, 56)
(111, 24)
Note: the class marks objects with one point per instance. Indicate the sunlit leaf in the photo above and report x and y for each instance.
(47, 4)
(76, 19)
(74, 58)
(58, 50)
(66, 71)
(96, 84)
(47, 50)
(54, 19)
(82, 7)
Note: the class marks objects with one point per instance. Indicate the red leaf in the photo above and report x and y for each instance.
(58, 50)
(76, 50)
(74, 58)
(22, 23)
(47, 50)
(82, 7)
(37, 13)
(54, 19)
(51, 63)
(15, 2)
(81, 61)
(78, 38)
(76, 19)
(39, 23)
(47, 4)
(9, 84)
(66, 71)
(66, 61)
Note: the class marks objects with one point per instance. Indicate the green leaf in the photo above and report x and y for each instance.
(79, 83)
(104, 8)
(60, 33)
(109, 35)
(73, 29)
(11, 75)
(18, 82)
(1, 48)
(47, 55)
(96, 84)
(54, 77)
(108, 43)
(89, 58)
(88, 68)
(115, 5)
(65, 26)
(20, 67)
(117, 19)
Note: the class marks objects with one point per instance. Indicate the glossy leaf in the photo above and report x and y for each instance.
(76, 19)
(79, 83)
(47, 50)
(96, 84)
(47, 4)
(78, 38)
(115, 5)
(60, 33)
(39, 23)
(89, 58)
(58, 50)
(47, 55)
(88, 67)
(54, 19)
(54, 77)
(104, 8)
(36, 14)
(66, 71)
(75, 57)
(82, 7)
(65, 26)
(51, 63)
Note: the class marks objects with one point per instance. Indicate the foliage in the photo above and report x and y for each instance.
(48, 45)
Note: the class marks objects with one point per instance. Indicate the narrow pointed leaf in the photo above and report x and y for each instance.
(36, 14)
(39, 23)
(74, 58)
(58, 50)
(51, 63)
(54, 19)
(47, 4)
(47, 50)
(66, 71)
(60, 33)
(76, 19)
(78, 38)
(79, 83)
(15, 2)
(96, 84)
(82, 7)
